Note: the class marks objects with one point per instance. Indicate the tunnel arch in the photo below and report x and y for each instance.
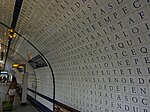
(98, 50)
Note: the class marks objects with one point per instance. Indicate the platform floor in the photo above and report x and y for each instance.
(23, 108)
(17, 107)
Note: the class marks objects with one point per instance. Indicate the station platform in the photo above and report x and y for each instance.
(17, 106)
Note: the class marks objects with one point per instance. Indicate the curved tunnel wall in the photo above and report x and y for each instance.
(99, 52)
(103, 63)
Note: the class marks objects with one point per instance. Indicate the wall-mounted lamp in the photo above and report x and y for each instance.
(15, 65)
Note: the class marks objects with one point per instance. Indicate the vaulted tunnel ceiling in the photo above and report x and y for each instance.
(39, 21)
(54, 27)
(9, 18)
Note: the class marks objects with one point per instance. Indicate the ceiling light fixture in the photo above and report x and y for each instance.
(12, 34)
